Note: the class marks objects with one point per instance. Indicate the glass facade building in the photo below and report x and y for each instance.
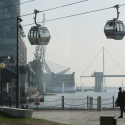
(8, 38)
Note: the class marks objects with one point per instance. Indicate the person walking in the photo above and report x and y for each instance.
(120, 101)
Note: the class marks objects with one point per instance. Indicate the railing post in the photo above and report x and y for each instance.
(62, 102)
(87, 102)
(10, 101)
(99, 104)
(113, 101)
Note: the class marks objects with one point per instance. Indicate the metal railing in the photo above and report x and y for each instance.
(66, 103)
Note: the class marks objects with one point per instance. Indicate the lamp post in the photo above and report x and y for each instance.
(3, 59)
(17, 81)
(2, 66)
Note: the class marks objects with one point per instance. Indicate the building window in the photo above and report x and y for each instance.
(1, 53)
(1, 3)
(23, 94)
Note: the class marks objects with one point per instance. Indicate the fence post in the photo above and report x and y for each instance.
(62, 102)
(113, 101)
(87, 102)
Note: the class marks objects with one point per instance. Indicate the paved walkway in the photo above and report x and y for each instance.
(77, 117)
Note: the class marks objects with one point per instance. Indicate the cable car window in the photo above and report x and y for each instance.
(109, 26)
(31, 33)
(34, 34)
(121, 27)
(118, 27)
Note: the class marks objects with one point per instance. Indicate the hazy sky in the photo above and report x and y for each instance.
(75, 41)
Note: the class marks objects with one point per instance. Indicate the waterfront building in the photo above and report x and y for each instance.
(57, 82)
(8, 46)
(64, 83)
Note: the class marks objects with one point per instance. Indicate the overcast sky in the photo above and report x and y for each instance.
(76, 41)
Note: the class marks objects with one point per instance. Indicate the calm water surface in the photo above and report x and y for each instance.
(79, 99)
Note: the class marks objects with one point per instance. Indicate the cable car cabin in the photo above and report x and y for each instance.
(114, 29)
(39, 35)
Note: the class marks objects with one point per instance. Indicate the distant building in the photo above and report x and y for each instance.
(57, 82)
(63, 83)
(98, 81)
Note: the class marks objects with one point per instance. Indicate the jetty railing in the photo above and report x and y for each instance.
(66, 103)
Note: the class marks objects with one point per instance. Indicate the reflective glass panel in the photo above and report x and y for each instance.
(109, 26)
(118, 29)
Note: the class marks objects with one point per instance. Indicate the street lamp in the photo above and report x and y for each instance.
(2, 66)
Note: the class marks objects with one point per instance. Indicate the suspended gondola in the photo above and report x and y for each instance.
(115, 29)
(38, 35)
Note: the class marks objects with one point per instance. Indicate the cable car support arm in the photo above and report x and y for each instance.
(117, 6)
(36, 11)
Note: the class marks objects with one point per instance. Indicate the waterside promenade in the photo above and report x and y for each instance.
(77, 117)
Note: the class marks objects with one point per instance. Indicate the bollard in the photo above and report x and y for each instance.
(91, 102)
(99, 104)
(113, 101)
(87, 102)
(62, 102)
(10, 101)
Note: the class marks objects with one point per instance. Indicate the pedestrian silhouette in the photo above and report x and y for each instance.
(120, 101)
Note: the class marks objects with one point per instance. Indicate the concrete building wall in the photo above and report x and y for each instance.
(98, 81)
(46, 82)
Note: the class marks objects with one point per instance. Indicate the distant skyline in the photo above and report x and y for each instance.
(76, 41)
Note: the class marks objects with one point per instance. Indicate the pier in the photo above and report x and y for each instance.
(77, 117)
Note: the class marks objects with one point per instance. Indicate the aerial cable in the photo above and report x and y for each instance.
(91, 62)
(57, 7)
(43, 10)
(62, 17)
(115, 66)
(12, 6)
(66, 16)
(116, 63)
(16, 4)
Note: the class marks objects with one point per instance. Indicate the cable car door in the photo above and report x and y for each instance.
(109, 30)
(120, 31)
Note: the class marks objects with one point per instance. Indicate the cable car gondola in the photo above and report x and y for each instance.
(115, 29)
(38, 35)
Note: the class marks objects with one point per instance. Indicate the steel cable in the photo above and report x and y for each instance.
(64, 17)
